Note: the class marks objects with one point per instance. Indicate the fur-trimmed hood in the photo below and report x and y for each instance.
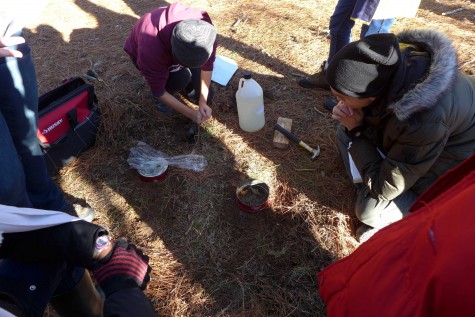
(441, 76)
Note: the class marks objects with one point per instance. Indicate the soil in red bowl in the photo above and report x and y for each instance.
(252, 196)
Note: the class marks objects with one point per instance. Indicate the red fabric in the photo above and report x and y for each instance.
(55, 124)
(423, 265)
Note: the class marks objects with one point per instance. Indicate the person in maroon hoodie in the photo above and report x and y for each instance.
(174, 47)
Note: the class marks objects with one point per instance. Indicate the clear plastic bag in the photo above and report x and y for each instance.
(144, 157)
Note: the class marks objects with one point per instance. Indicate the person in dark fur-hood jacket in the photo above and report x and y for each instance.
(407, 116)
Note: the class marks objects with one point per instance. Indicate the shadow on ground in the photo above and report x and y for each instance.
(250, 264)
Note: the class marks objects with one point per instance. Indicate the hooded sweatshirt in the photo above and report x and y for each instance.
(149, 43)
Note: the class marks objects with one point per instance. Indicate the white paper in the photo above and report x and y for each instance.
(223, 69)
(388, 9)
(14, 219)
(354, 171)
(4, 313)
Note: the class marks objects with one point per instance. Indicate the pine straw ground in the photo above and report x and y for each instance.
(208, 257)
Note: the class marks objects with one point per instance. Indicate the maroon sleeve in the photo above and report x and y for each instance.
(150, 51)
(149, 43)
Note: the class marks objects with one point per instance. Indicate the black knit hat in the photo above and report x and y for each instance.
(364, 68)
(192, 42)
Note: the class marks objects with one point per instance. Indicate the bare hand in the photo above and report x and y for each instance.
(349, 117)
(205, 111)
(10, 41)
(197, 117)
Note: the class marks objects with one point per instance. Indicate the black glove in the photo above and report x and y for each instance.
(125, 267)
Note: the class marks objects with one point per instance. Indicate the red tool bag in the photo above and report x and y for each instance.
(68, 122)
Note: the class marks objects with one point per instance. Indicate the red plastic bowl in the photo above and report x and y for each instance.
(156, 174)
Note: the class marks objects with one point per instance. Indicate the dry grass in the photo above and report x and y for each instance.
(208, 257)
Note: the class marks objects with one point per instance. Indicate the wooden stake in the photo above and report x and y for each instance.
(281, 141)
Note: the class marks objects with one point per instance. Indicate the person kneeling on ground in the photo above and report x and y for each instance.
(407, 116)
(420, 266)
(174, 47)
(42, 259)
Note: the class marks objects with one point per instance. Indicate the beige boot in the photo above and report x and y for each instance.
(81, 301)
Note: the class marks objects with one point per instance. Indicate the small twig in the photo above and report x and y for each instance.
(136, 106)
(265, 139)
(238, 20)
(132, 103)
(323, 114)
(304, 169)
(196, 137)
(453, 11)
(189, 228)
(467, 62)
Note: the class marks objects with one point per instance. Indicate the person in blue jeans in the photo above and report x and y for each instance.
(341, 23)
(25, 180)
(22, 163)
(377, 26)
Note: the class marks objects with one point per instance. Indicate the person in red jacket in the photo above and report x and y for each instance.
(174, 47)
(419, 266)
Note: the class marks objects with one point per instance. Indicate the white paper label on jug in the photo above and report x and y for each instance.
(260, 110)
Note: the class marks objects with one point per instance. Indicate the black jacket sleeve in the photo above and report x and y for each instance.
(128, 302)
(72, 242)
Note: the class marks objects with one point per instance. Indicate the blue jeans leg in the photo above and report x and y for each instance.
(377, 26)
(19, 107)
(340, 26)
(12, 182)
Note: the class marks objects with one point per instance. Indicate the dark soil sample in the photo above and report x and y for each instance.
(253, 195)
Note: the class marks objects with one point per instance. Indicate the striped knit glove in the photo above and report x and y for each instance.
(125, 267)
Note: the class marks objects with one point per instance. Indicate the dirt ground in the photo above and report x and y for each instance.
(208, 257)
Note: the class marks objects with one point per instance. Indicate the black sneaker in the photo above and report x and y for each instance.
(317, 80)
(330, 103)
(364, 232)
(163, 108)
(84, 213)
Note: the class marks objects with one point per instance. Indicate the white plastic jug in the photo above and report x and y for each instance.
(250, 104)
